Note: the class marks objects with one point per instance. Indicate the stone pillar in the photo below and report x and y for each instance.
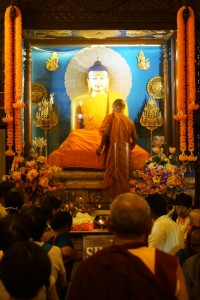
(27, 99)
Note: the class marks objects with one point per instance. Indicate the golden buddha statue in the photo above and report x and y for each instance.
(87, 114)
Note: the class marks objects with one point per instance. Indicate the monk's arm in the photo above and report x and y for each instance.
(104, 141)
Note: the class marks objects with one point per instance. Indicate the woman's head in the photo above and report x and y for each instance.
(62, 219)
(14, 200)
(25, 269)
(50, 205)
(36, 219)
(13, 228)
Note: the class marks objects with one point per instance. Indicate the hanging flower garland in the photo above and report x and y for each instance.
(18, 104)
(8, 73)
(186, 81)
(13, 80)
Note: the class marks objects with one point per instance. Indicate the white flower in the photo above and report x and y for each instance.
(166, 160)
(163, 156)
(171, 168)
(156, 150)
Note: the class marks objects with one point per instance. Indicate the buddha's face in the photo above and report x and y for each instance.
(98, 81)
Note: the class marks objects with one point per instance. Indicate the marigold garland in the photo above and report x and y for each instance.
(13, 79)
(8, 75)
(186, 81)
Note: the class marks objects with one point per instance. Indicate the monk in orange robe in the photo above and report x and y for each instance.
(79, 149)
(118, 137)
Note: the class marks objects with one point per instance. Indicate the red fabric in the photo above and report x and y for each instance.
(115, 274)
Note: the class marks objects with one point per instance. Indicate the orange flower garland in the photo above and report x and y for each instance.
(8, 73)
(13, 79)
(18, 81)
(186, 81)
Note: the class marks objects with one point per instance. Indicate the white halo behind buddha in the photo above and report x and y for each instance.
(76, 71)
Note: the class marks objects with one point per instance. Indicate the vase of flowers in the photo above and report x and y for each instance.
(161, 173)
(35, 177)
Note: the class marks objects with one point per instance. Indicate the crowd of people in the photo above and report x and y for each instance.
(151, 248)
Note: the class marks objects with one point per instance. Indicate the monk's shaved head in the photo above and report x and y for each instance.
(130, 215)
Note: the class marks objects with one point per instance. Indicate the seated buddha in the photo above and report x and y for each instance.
(87, 114)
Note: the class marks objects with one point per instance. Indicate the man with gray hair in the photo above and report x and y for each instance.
(129, 269)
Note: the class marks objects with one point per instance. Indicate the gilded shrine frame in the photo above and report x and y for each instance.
(166, 40)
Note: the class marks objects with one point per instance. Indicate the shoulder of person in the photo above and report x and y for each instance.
(194, 261)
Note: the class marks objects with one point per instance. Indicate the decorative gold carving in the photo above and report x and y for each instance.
(98, 34)
(143, 62)
(38, 93)
(151, 116)
(52, 63)
(155, 87)
(80, 175)
(46, 117)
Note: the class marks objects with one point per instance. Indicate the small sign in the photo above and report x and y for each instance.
(94, 243)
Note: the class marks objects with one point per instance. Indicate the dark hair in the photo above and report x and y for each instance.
(157, 204)
(37, 221)
(5, 187)
(194, 231)
(14, 200)
(13, 228)
(48, 203)
(97, 66)
(25, 268)
(61, 219)
(184, 200)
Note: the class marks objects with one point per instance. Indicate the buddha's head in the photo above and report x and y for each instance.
(98, 78)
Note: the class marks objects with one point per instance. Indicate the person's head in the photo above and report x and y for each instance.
(5, 187)
(98, 78)
(193, 240)
(25, 269)
(13, 228)
(62, 220)
(50, 205)
(130, 216)
(183, 205)
(194, 216)
(118, 106)
(14, 200)
(36, 219)
(157, 205)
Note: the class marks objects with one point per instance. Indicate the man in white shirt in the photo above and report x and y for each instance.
(166, 234)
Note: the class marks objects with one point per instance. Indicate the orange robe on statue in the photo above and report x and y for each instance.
(79, 149)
